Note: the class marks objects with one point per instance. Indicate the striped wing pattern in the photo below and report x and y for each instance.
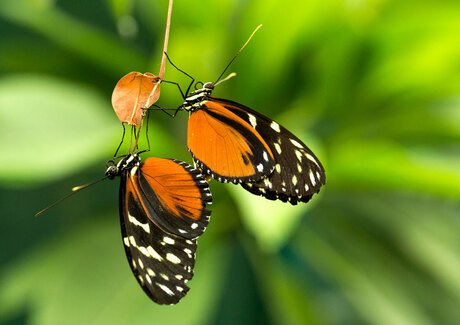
(161, 259)
(298, 173)
(226, 147)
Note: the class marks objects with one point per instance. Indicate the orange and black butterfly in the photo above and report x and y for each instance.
(233, 143)
(162, 213)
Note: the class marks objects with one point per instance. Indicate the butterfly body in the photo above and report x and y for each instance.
(233, 143)
(195, 100)
(163, 211)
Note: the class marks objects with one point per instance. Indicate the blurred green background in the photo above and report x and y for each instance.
(373, 87)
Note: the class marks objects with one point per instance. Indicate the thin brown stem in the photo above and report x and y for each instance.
(165, 47)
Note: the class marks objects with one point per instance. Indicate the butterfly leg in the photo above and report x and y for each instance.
(147, 131)
(191, 83)
(122, 138)
(155, 107)
(133, 131)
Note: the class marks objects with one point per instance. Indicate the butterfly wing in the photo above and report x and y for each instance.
(162, 262)
(175, 196)
(226, 147)
(298, 172)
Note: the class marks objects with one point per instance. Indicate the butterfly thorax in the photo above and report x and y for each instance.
(195, 99)
(128, 163)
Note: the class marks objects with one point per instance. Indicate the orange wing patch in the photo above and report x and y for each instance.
(175, 188)
(132, 93)
(226, 146)
(173, 195)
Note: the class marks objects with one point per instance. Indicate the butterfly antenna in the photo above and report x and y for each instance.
(231, 75)
(233, 59)
(74, 190)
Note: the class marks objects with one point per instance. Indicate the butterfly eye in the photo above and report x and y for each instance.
(111, 172)
(209, 85)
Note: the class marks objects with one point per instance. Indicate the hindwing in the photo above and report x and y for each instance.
(151, 215)
(298, 173)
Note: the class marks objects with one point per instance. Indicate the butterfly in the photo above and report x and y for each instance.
(162, 204)
(233, 143)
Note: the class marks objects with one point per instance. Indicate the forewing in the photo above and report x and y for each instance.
(161, 262)
(175, 196)
(226, 147)
(298, 172)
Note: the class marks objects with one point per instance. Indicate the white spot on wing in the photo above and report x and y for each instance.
(275, 126)
(194, 225)
(298, 145)
(260, 168)
(278, 148)
(310, 157)
(252, 120)
(299, 168)
(141, 265)
(267, 183)
(278, 168)
(180, 289)
(126, 241)
(299, 155)
(312, 178)
(164, 276)
(132, 241)
(265, 156)
(135, 222)
(168, 240)
(306, 187)
(294, 180)
(165, 288)
(143, 250)
(150, 272)
(179, 277)
(154, 254)
(172, 258)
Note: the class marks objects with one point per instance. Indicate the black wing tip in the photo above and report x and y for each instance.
(166, 299)
(273, 195)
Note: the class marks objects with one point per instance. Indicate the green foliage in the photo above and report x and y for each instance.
(373, 87)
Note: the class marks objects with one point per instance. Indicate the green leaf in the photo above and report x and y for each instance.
(51, 128)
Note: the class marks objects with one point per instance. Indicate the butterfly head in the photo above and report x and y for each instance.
(127, 163)
(209, 85)
(194, 99)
